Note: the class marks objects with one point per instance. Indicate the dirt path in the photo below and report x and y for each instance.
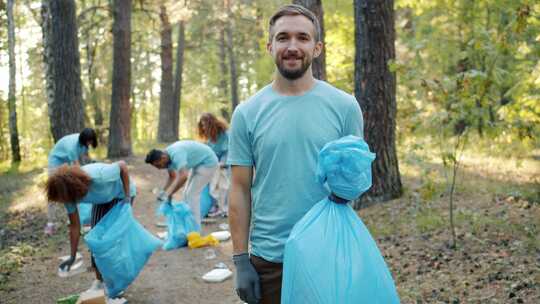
(169, 276)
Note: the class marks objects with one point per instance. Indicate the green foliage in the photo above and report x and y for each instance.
(469, 65)
(12, 259)
(339, 45)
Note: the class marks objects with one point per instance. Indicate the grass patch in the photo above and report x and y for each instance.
(429, 220)
(12, 259)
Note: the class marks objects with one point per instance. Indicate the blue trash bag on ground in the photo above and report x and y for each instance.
(180, 222)
(85, 213)
(330, 256)
(121, 246)
(206, 201)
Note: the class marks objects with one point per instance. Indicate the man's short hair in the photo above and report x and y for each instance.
(294, 10)
(153, 156)
(88, 135)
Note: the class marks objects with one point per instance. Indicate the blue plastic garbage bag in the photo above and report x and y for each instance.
(345, 166)
(330, 256)
(121, 247)
(206, 201)
(85, 213)
(180, 222)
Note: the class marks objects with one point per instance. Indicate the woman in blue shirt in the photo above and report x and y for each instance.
(214, 132)
(71, 150)
(102, 185)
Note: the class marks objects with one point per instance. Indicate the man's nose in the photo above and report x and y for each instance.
(293, 45)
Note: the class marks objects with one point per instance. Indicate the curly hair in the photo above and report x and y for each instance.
(67, 184)
(214, 127)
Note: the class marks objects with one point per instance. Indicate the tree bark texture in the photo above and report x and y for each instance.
(166, 97)
(375, 90)
(62, 67)
(177, 101)
(120, 116)
(232, 57)
(319, 64)
(12, 106)
(224, 73)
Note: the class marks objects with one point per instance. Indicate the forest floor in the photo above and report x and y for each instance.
(497, 258)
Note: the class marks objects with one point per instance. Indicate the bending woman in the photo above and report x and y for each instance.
(102, 185)
(214, 132)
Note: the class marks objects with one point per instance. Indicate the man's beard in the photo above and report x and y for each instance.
(296, 73)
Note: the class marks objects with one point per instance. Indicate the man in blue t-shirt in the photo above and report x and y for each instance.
(71, 149)
(179, 159)
(275, 138)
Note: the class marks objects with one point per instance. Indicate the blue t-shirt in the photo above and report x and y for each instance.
(281, 136)
(221, 146)
(106, 185)
(187, 154)
(66, 151)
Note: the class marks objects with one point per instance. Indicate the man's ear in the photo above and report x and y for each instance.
(269, 47)
(318, 49)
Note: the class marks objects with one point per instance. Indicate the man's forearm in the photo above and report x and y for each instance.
(180, 181)
(239, 218)
(168, 183)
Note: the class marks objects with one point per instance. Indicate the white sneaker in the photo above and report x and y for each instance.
(96, 286)
(116, 300)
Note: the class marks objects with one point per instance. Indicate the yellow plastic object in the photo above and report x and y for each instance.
(195, 240)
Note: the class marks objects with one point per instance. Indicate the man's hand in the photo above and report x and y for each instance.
(247, 286)
(162, 196)
(66, 265)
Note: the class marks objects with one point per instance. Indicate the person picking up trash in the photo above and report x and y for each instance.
(71, 150)
(186, 161)
(102, 185)
(214, 131)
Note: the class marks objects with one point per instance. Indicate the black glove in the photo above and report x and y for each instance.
(66, 265)
(247, 286)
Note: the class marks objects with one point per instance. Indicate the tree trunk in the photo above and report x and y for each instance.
(13, 132)
(223, 66)
(232, 57)
(375, 90)
(91, 49)
(62, 67)
(120, 117)
(319, 63)
(177, 102)
(166, 106)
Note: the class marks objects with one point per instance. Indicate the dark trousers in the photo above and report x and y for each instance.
(98, 212)
(270, 275)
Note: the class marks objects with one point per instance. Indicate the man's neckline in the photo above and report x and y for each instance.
(315, 85)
